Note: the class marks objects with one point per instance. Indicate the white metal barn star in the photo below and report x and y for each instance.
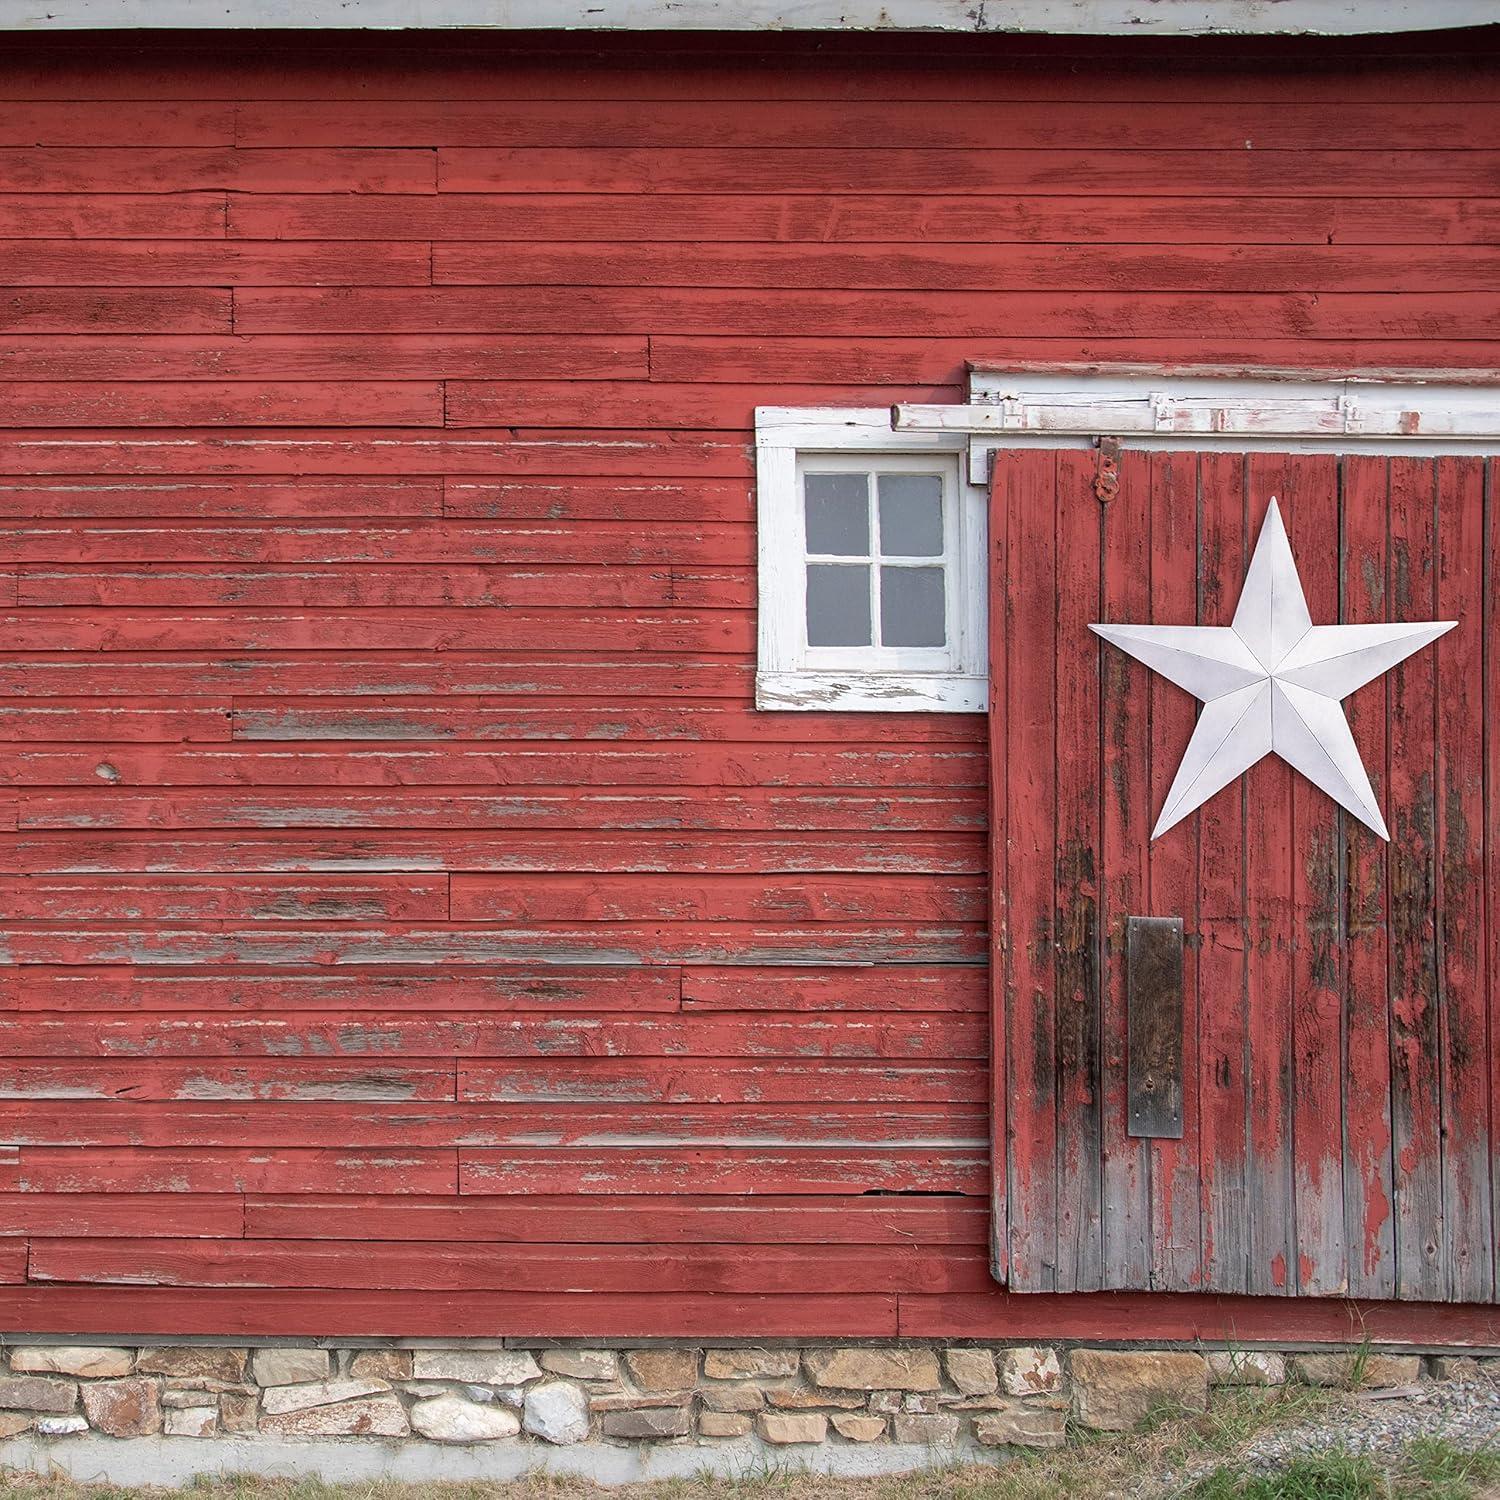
(1271, 684)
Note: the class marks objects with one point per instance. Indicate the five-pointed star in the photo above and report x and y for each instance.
(1271, 684)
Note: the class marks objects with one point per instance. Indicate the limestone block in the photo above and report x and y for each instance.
(736, 1364)
(193, 1360)
(874, 1369)
(123, 1408)
(1021, 1427)
(381, 1364)
(723, 1424)
(783, 1427)
(924, 1427)
(238, 1410)
(972, 1371)
(582, 1364)
(15, 1422)
(481, 1366)
(1346, 1369)
(60, 1426)
(1456, 1367)
(663, 1369)
(280, 1399)
(1030, 1370)
(37, 1393)
(886, 1403)
(557, 1412)
(858, 1427)
(648, 1422)
(191, 1421)
(786, 1398)
(1245, 1367)
(70, 1359)
(372, 1416)
(289, 1366)
(452, 1419)
(725, 1398)
(1114, 1390)
(916, 1401)
(634, 1400)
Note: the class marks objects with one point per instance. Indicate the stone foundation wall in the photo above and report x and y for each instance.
(907, 1399)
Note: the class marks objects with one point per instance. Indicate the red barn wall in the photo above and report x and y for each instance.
(412, 927)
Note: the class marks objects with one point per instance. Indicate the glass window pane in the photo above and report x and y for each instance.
(911, 515)
(911, 607)
(838, 605)
(838, 514)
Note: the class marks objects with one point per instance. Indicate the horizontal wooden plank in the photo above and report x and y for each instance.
(478, 718)
(395, 451)
(105, 1215)
(806, 124)
(614, 1082)
(1194, 1319)
(492, 764)
(752, 809)
(87, 121)
(1150, 217)
(144, 215)
(479, 1034)
(114, 310)
(553, 586)
(283, 1079)
(710, 898)
(680, 310)
(880, 360)
(613, 1085)
(597, 500)
(291, 357)
(371, 403)
(211, 262)
(14, 1260)
(900, 168)
(463, 1265)
(703, 632)
(205, 991)
(283, 1313)
(902, 266)
(867, 989)
(267, 898)
(599, 1219)
(220, 499)
(565, 851)
(105, 720)
(141, 169)
(743, 1170)
(614, 943)
(479, 542)
(633, 405)
(530, 1128)
(94, 1170)
(376, 674)
(875, 65)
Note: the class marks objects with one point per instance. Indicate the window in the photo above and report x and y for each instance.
(871, 566)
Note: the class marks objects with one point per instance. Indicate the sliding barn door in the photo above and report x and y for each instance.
(1308, 1110)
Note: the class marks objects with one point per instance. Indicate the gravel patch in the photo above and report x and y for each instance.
(1381, 1423)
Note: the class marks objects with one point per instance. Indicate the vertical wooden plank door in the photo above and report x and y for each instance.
(1339, 993)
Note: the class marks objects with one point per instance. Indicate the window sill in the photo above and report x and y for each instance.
(883, 692)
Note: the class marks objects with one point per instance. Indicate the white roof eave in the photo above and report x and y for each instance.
(1055, 17)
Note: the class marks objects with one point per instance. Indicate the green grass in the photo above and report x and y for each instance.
(1427, 1469)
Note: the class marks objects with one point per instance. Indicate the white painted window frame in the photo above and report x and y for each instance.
(792, 676)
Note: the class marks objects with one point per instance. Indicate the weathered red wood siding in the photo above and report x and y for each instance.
(396, 855)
